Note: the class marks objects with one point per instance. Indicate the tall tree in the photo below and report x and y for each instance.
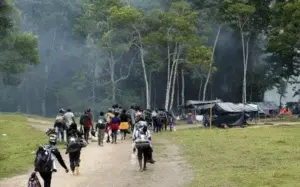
(284, 40)
(17, 50)
(240, 15)
(98, 23)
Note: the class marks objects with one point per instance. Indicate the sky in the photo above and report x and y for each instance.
(273, 96)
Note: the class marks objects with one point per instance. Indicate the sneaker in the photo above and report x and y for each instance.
(77, 170)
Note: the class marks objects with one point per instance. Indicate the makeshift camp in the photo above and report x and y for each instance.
(228, 113)
(267, 108)
(285, 111)
(294, 107)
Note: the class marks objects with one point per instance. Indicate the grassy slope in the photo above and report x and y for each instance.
(242, 157)
(19, 146)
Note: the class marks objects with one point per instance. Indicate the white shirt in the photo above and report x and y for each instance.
(154, 113)
(68, 117)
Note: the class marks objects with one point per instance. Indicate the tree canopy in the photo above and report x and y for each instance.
(151, 53)
(17, 50)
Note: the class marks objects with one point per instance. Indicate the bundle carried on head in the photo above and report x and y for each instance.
(50, 131)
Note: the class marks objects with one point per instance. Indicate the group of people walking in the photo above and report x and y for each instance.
(116, 121)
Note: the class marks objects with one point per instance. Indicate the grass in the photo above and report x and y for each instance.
(18, 146)
(242, 157)
(48, 119)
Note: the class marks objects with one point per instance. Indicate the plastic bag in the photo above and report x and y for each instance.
(33, 181)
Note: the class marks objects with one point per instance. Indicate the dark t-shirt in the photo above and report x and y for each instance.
(124, 117)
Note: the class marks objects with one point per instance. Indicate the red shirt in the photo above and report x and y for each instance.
(90, 123)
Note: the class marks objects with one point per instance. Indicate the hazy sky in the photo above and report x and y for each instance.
(273, 96)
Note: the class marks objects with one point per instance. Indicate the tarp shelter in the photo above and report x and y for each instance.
(228, 107)
(231, 114)
(294, 107)
(193, 102)
(268, 107)
(285, 111)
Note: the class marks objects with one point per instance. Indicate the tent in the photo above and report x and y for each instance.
(285, 111)
(231, 114)
(193, 102)
(268, 108)
(227, 107)
(294, 107)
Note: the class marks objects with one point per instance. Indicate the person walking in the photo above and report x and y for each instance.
(114, 126)
(44, 161)
(100, 128)
(74, 146)
(124, 124)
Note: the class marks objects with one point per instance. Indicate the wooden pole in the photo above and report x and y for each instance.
(210, 120)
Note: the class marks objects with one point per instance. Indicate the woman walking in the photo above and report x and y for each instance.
(114, 126)
(124, 125)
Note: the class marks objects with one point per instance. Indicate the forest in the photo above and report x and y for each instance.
(82, 54)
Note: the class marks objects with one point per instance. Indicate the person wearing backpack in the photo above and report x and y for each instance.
(60, 125)
(44, 160)
(74, 146)
(84, 122)
(142, 127)
(100, 128)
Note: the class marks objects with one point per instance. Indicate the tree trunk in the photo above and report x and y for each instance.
(173, 85)
(178, 100)
(145, 78)
(113, 92)
(150, 89)
(280, 100)
(182, 87)
(200, 89)
(211, 63)
(93, 93)
(169, 83)
(169, 78)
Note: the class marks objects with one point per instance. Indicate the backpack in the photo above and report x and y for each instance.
(33, 181)
(43, 160)
(83, 119)
(74, 144)
(142, 140)
(101, 123)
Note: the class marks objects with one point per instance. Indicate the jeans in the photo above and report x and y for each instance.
(114, 134)
(86, 131)
(47, 177)
(61, 134)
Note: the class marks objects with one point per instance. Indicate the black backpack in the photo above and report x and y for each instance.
(43, 160)
(83, 119)
(74, 144)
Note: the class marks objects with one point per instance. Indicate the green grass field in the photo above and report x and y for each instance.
(18, 146)
(242, 157)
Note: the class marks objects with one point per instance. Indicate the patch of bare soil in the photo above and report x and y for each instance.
(110, 166)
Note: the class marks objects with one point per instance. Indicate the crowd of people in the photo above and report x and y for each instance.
(116, 122)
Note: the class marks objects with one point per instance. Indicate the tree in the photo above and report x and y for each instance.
(240, 15)
(99, 23)
(136, 22)
(281, 90)
(176, 31)
(284, 40)
(17, 50)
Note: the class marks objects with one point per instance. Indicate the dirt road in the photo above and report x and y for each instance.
(110, 166)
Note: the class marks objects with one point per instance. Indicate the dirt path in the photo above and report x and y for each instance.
(110, 166)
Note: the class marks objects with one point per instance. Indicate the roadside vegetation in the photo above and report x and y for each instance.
(18, 142)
